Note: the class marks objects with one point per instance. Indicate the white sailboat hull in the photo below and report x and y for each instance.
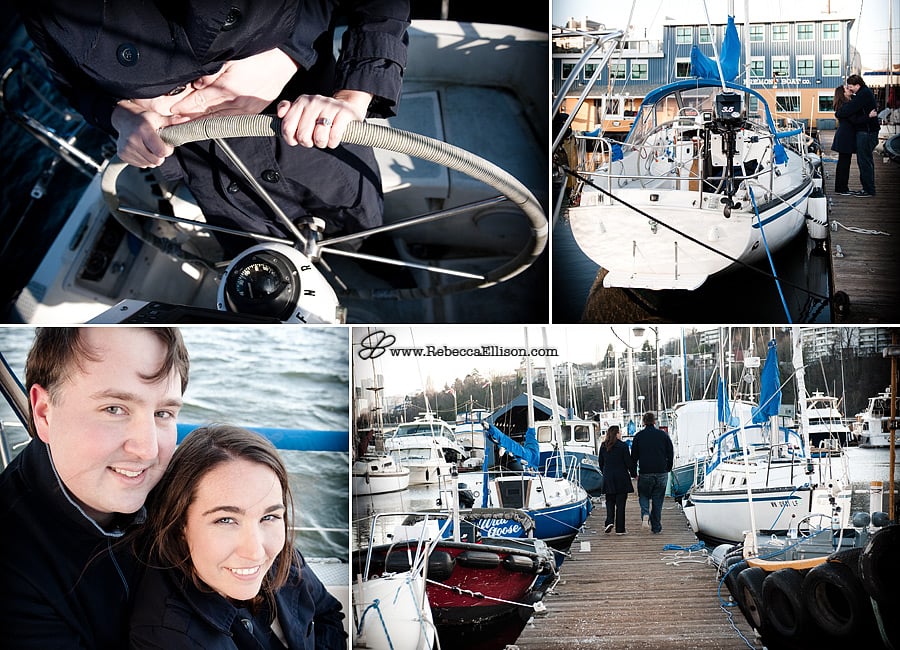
(641, 253)
(393, 612)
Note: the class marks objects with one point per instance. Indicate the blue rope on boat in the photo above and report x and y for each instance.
(787, 313)
(362, 620)
(699, 546)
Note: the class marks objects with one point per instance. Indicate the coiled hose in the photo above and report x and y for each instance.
(412, 144)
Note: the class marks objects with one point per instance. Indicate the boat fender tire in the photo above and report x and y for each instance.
(783, 603)
(397, 562)
(733, 567)
(520, 564)
(836, 601)
(879, 564)
(479, 559)
(749, 589)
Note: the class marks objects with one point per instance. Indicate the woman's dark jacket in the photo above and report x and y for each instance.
(617, 468)
(845, 134)
(170, 613)
(65, 581)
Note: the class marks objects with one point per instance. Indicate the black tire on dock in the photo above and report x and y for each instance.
(783, 604)
(733, 567)
(837, 602)
(749, 596)
(879, 564)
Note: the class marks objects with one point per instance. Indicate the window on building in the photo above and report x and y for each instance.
(831, 66)
(757, 66)
(757, 33)
(787, 103)
(639, 70)
(831, 31)
(806, 66)
(753, 105)
(682, 68)
(617, 70)
(705, 36)
(826, 103)
(567, 69)
(589, 70)
(781, 67)
(779, 32)
(805, 32)
(684, 35)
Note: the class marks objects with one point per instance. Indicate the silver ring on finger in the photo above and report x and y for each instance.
(323, 121)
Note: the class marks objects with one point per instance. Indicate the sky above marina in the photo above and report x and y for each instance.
(869, 35)
(447, 353)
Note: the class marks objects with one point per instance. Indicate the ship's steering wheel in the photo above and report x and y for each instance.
(383, 137)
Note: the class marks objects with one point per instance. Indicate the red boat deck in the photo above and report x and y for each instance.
(628, 592)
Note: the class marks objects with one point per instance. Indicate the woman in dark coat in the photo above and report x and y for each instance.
(618, 470)
(223, 573)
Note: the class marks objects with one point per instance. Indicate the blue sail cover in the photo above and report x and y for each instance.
(704, 67)
(769, 388)
(723, 407)
(529, 454)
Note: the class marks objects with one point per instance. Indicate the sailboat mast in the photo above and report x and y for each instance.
(554, 422)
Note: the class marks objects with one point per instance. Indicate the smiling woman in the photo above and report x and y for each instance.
(221, 553)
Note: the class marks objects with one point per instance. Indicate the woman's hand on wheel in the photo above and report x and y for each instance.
(318, 121)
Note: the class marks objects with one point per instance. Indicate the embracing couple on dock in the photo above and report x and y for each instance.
(857, 132)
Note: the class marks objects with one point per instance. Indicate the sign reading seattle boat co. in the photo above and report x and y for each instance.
(493, 527)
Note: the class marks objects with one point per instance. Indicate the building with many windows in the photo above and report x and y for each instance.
(795, 65)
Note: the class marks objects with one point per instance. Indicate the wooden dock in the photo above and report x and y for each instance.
(865, 266)
(628, 592)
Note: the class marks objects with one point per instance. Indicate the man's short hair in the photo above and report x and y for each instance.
(649, 419)
(856, 80)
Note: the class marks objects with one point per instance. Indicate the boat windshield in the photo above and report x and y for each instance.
(420, 429)
(689, 101)
(412, 454)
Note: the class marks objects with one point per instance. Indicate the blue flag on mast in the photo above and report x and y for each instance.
(769, 388)
(729, 56)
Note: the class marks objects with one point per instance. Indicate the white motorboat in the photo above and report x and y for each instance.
(873, 425)
(427, 447)
(826, 426)
(137, 249)
(378, 474)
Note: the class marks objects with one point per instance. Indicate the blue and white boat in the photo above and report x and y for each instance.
(510, 480)
(703, 182)
(576, 437)
(762, 478)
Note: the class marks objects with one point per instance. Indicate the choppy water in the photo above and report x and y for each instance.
(266, 376)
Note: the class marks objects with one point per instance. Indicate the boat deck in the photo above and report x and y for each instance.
(865, 266)
(628, 592)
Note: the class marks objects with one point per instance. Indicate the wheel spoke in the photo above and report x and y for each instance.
(395, 262)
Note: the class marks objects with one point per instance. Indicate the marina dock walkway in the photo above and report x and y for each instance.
(864, 266)
(628, 592)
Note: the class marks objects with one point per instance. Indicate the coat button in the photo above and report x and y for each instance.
(233, 188)
(127, 54)
(271, 176)
(232, 18)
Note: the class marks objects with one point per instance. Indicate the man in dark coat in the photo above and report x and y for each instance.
(861, 111)
(133, 68)
(103, 409)
(653, 454)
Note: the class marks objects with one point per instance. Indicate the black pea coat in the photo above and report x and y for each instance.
(617, 468)
(103, 52)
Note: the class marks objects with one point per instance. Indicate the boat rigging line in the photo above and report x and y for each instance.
(693, 240)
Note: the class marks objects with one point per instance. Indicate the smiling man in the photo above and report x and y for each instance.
(103, 404)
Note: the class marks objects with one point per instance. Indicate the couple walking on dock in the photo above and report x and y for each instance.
(650, 460)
